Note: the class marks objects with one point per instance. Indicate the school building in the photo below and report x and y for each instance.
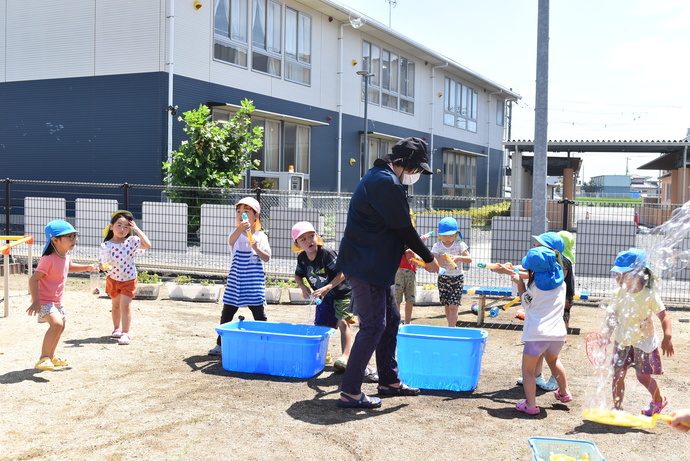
(92, 91)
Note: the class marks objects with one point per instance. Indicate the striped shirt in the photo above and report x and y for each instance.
(246, 285)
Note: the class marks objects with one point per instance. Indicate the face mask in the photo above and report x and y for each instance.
(409, 179)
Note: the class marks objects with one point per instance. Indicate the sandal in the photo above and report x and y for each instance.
(58, 362)
(522, 406)
(654, 407)
(402, 390)
(116, 333)
(45, 364)
(563, 398)
(124, 340)
(363, 402)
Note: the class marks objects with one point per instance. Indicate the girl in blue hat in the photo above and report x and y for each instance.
(451, 251)
(544, 332)
(47, 285)
(630, 323)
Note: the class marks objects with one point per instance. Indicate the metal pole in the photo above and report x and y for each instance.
(541, 122)
(365, 75)
(8, 206)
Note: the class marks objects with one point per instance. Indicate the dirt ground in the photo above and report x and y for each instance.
(162, 397)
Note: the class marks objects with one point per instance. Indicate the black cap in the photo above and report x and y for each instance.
(414, 153)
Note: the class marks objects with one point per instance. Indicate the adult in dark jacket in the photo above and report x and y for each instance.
(378, 230)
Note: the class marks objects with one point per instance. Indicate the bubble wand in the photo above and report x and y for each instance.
(250, 237)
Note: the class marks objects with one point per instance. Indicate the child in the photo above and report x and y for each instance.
(246, 285)
(117, 250)
(47, 285)
(568, 254)
(544, 331)
(406, 283)
(450, 284)
(316, 263)
(630, 323)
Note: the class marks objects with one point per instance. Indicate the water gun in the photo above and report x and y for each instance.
(419, 262)
(250, 237)
(430, 234)
(450, 260)
(106, 266)
(493, 312)
(487, 266)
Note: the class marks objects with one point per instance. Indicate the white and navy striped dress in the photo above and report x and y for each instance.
(246, 285)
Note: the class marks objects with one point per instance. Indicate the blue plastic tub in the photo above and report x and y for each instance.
(542, 447)
(440, 357)
(279, 349)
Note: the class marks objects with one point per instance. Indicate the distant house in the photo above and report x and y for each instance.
(94, 92)
(644, 186)
(612, 186)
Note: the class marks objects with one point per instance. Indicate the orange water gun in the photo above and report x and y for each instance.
(250, 237)
(421, 263)
(450, 260)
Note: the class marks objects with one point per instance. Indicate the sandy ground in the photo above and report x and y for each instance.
(162, 397)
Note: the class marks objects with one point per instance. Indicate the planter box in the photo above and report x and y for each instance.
(273, 295)
(195, 292)
(148, 290)
(296, 296)
(426, 297)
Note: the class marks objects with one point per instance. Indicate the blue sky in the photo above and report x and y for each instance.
(618, 69)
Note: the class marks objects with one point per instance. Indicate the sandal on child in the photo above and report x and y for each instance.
(563, 398)
(44, 364)
(522, 406)
(116, 333)
(550, 385)
(362, 402)
(58, 362)
(124, 340)
(654, 407)
(402, 390)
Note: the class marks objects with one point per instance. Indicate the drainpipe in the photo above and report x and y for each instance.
(431, 129)
(488, 139)
(685, 169)
(171, 74)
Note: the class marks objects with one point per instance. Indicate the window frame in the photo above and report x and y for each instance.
(390, 88)
(266, 47)
(299, 60)
(460, 105)
(237, 44)
(459, 175)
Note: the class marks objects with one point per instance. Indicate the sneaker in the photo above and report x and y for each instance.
(329, 359)
(58, 362)
(116, 333)
(45, 364)
(371, 374)
(550, 385)
(654, 407)
(124, 340)
(216, 351)
(340, 364)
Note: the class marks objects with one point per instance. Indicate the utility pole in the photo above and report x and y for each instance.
(391, 4)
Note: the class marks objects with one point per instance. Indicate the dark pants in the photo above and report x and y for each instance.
(229, 313)
(379, 319)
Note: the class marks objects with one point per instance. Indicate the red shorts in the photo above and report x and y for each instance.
(115, 288)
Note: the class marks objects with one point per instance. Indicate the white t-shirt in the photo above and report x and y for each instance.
(544, 314)
(456, 249)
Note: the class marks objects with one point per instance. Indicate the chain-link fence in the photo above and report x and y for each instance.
(189, 227)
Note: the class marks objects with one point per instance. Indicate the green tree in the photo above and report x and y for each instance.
(590, 186)
(215, 156)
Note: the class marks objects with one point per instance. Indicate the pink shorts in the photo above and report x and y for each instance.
(115, 288)
(642, 362)
(537, 348)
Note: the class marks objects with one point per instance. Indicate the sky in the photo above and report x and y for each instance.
(618, 69)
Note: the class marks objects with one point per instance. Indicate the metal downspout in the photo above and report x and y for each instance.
(431, 129)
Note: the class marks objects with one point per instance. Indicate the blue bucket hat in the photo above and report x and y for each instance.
(57, 228)
(548, 274)
(551, 240)
(448, 226)
(630, 259)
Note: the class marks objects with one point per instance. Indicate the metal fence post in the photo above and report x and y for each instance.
(8, 205)
(125, 199)
(566, 209)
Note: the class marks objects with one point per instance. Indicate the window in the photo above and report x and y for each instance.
(371, 61)
(460, 106)
(297, 46)
(378, 148)
(266, 37)
(231, 31)
(389, 80)
(406, 86)
(500, 112)
(459, 174)
(392, 84)
(297, 147)
(269, 154)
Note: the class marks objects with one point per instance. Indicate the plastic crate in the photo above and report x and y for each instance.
(542, 447)
(440, 357)
(279, 349)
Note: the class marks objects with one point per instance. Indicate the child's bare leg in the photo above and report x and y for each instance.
(408, 313)
(56, 325)
(539, 368)
(529, 385)
(345, 338)
(557, 371)
(125, 312)
(115, 312)
(618, 387)
(651, 385)
(452, 315)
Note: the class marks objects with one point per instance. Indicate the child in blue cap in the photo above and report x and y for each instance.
(630, 323)
(544, 332)
(451, 252)
(47, 285)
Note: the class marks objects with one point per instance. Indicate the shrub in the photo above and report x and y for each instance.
(145, 277)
